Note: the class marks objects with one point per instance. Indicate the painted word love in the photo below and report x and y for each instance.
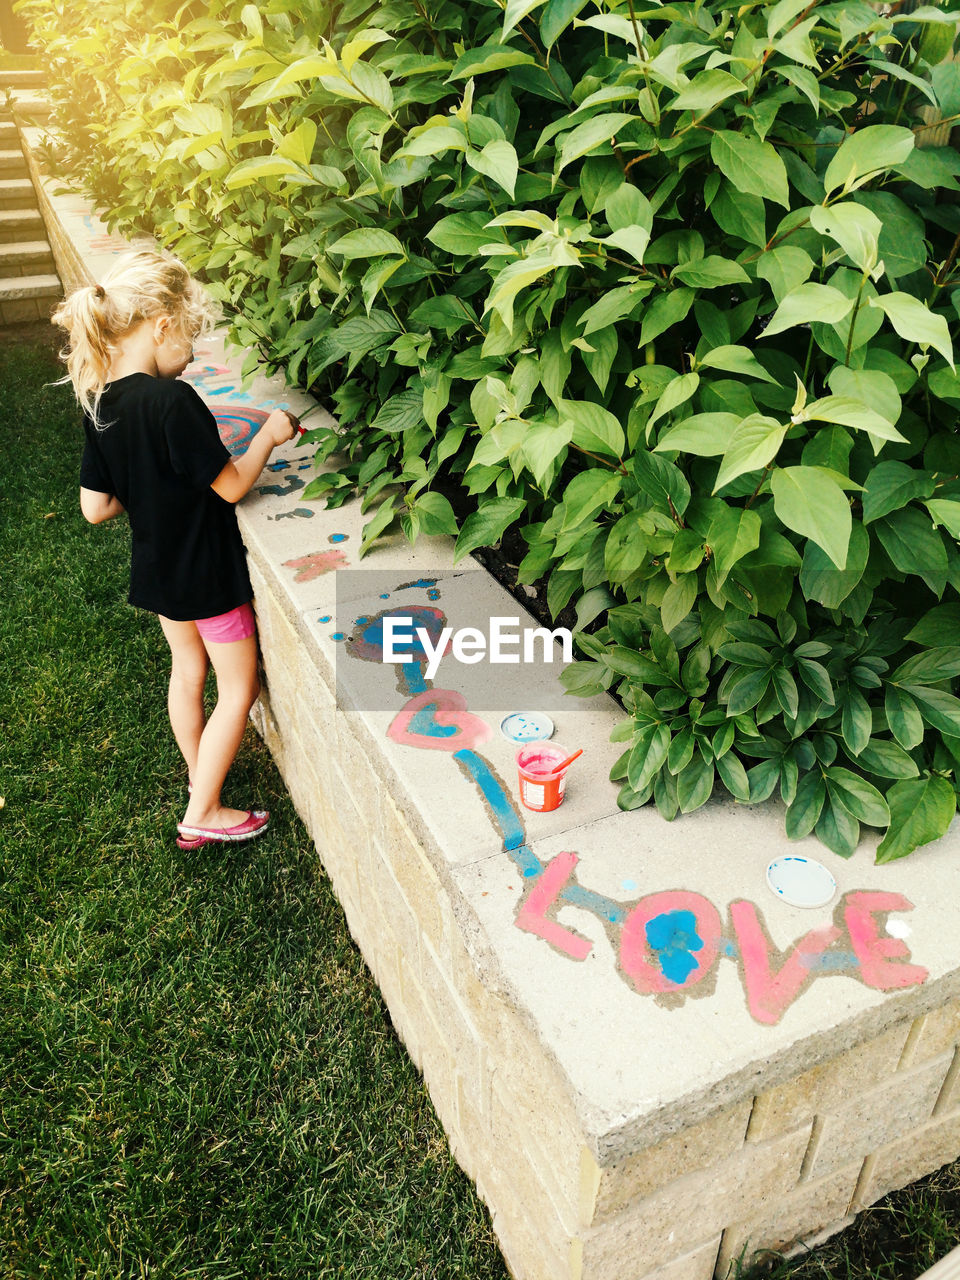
(669, 944)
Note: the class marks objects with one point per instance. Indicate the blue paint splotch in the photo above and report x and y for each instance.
(338, 537)
(301, 513)
(674, 938)
(293, 483)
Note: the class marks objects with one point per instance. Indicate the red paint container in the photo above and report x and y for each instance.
(541, 782)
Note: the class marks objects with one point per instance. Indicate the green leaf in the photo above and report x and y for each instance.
(940, 709)
(482, 528)
(498, 161)
(542, 444)
(614, 306)
(817, 680)
(865, 153)
(811, 503)
(257, 167)
(711, 272)
(400, 412)
(803, 814)
(837, 828)
(856, 723)
(677, 392)
(887, 760)
(746, 689)
(821, 580)
(695, 784)
(679, 598)
(367, 242)
(753, 445)
(436, 514)
(735, 359)
(939, 626)
(751, 165)
(515, 12)
(855, 229)
(785, 269)
(851, 413)
(946, 512)
(942, 663)
(461, 234)
(492, 57)
(384, 517)
(705, 90)
(733, 533)
(734, 776)
(666, 310)
(890, 486)
(808, 303)
(921, 810)
(593, 133)
(705, 434)
(587, 493)
(903, 717)
(557, 17)
(915, 322)
(914, 546)
(594, 428)
(868, 386)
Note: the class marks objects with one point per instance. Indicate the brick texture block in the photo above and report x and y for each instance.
(935, 1033)
(827, 1086)
(917, 1154)
(696, 1207)
(871, 1119)
(698, 1147)
(697, 1265)
(800, 1212)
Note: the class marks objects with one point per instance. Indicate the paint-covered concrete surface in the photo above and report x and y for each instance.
(645, 1059)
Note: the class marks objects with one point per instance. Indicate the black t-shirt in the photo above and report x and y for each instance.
(159, 453)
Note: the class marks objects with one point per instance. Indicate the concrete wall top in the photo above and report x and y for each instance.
(660, 972)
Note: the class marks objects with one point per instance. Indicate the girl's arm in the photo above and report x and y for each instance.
(240, 474)
(98, 507)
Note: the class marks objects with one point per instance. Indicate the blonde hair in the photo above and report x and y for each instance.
(141, 285)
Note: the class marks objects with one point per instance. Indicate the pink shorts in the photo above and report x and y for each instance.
(238, 624)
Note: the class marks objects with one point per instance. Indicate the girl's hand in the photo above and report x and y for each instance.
(281, 426)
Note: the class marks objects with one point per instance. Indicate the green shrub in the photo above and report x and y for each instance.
(667, 289)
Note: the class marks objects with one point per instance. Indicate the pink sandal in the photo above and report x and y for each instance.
(193, 837)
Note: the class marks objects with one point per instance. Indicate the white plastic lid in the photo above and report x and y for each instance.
(801, 882)
(527, 726)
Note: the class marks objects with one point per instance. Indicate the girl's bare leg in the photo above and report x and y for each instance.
(188, 676)
(216, 746)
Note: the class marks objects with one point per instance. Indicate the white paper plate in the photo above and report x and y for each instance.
(801, 882)
(527, 726)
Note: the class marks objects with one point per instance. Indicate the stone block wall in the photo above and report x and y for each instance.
(786, 1164)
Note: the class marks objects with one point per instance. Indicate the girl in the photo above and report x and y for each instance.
(153, 450)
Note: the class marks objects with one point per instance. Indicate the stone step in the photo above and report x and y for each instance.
(16, 288)
(20, 224)
(30, 106)
(26, 258)
(22, 80)
(9, 133)
(11, 158)
(17, 193)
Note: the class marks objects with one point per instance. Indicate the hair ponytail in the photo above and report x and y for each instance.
(141, 285)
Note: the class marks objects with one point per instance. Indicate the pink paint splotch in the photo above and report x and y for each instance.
(315, 565)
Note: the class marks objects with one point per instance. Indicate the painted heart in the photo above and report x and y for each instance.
(438, 720)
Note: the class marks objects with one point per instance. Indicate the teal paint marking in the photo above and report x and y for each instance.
(511, 828)
(424, 722)
(674, 937)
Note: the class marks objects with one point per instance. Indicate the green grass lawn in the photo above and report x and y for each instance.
(199, 1077)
